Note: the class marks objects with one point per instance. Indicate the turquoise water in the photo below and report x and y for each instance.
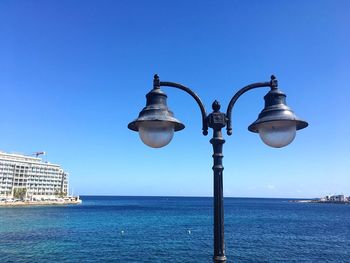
(174, 229)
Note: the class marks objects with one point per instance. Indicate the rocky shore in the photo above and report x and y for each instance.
(329, 199)
(318, 201)
(65, 201)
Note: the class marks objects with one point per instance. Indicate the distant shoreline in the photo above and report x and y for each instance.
(320, 202)
(73, 200)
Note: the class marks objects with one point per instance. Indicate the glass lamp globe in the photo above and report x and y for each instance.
(156, 134)
(277, 134)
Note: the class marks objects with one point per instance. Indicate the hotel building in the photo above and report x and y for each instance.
(32, 176)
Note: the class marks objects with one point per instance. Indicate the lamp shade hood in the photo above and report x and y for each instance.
(156, 110)
(276, 109)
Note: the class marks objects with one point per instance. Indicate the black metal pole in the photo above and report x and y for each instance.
(217, 121)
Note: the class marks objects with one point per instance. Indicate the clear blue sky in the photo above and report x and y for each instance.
(73, 74)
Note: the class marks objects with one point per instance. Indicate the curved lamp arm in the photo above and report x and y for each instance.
(157, 83)
(272, 84)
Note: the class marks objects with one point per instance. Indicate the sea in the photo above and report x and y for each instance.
(174, 229)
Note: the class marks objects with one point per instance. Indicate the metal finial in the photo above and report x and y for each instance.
(216, 106)
(273, 82)
(156, 82)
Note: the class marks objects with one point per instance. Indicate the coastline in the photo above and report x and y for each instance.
(68, 201)
(320, 202)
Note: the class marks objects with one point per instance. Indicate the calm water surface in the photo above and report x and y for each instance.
(174, 229)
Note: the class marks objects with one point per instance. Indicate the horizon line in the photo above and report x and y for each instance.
(191, 196)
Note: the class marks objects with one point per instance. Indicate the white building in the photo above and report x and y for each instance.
(335, 198)
(32, 176)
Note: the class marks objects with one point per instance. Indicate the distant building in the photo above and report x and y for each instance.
(31, 176)
(335, 198)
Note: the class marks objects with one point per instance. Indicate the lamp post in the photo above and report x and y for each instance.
(277, 125)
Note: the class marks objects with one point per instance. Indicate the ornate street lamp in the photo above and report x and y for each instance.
(277, 125)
